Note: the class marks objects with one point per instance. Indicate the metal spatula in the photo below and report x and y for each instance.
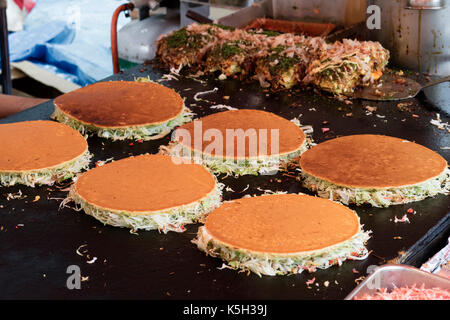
(393, 87)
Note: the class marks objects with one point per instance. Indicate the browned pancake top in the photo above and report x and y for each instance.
(286, 223)
(372, 161)
(115, 104)
(290, 136)
(144, 183)
(33, 145)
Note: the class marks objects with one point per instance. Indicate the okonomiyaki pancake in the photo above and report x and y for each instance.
(243, 153)
(40, 152)
(374, 169)
(282, 234)
(147, 192)
(121, 110)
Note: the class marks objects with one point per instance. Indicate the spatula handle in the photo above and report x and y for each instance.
(435, 82)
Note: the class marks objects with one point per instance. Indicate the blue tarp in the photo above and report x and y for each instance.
(69, 37)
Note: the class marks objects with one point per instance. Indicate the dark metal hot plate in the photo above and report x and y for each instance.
(38, 242)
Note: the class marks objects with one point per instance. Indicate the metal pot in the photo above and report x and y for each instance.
(417, 34)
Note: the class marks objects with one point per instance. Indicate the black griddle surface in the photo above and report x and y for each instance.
(38, 242)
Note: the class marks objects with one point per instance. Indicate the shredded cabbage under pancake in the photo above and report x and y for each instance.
(173, 219)
(406, 293)
(47, 176)
(148, 132)
(378, 197)
(279, 264)
(239, 167)
(261, 165)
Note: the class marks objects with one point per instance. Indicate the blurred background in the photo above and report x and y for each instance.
(56, 46)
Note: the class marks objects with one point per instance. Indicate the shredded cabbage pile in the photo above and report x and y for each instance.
(167, 220)
(148, 132)
(279, 264)
(379, 197)
(47, 176)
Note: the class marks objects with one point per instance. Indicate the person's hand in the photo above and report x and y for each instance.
(12, 104)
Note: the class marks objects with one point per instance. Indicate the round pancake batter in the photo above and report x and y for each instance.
(122, 109)
(372, 161)
(400, 170)
(40, 152)
(147, 192)
(246, 145)
(291, 137)
(297, 231)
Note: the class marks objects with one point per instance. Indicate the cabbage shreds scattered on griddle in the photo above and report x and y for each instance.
(277, 60)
